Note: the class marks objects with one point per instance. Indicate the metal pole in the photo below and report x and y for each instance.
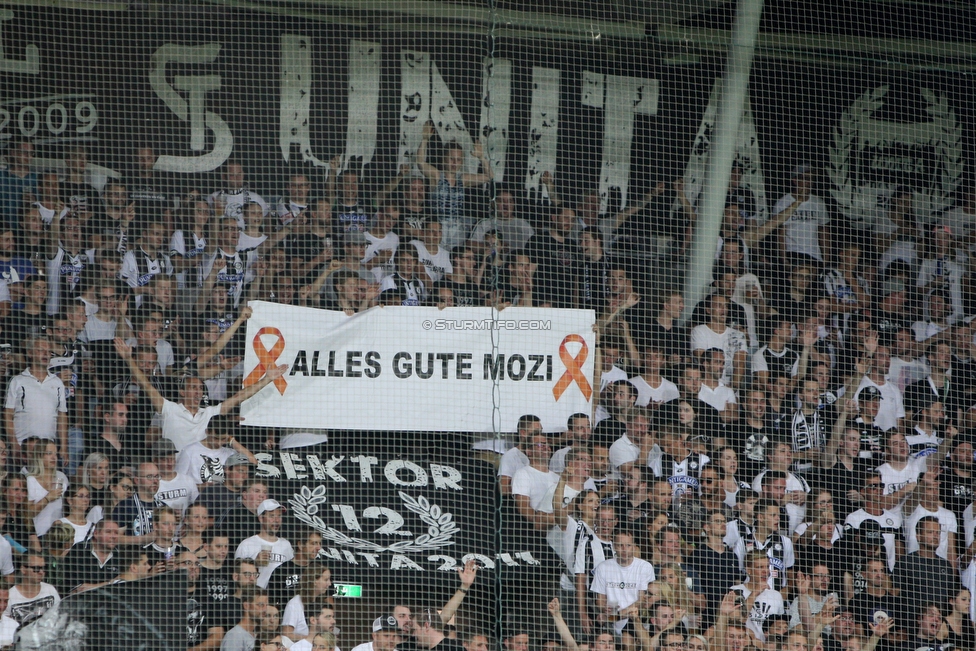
(734, 89)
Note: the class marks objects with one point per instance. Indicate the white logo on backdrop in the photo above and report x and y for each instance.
(871, 155)
(441, 527)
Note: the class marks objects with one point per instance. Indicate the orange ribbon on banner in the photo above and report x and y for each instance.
(574, 368)
(267, 358)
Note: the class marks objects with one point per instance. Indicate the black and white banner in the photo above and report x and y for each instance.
(411, 513)
(278, 92)
(119, 616)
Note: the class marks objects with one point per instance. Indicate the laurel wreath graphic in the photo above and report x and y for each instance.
(853, 201)
(441, 527)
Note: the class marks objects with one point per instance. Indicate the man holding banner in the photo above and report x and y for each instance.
(186, 422)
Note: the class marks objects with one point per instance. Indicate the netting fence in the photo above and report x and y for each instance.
(487, 325)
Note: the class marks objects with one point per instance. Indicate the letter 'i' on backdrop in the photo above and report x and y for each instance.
(367, 326)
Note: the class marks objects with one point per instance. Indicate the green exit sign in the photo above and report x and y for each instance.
(347, 590)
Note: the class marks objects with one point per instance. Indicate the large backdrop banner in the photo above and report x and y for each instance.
(283, 93)
(421, 369)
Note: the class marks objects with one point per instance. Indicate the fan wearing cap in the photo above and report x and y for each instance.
(266, 547)
(386, 635)
(804, 239)
(186, 422)
(176, 490)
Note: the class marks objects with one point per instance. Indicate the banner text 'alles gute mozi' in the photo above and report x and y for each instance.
(423, 365)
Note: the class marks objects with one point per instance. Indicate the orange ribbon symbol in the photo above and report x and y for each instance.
(267, 358)
(574, 368)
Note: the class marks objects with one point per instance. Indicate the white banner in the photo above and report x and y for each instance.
(414, 368)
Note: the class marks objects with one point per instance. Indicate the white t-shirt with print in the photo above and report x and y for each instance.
(731, 341)
(281, 552)
(802, 229)
(622, 585)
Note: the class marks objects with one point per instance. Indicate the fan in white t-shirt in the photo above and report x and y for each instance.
(382, 243)
(760, 599)
(900, 472)
(185, 422)
(386, 635)
(266, 547)
(30, 597)
(514, 458)
(803, 231)
(435, 258)
(716, 334)
(713, 391)
(876, 528)
(891, 409)
(929, 505)
(620, 581)
(532, 483)
(651, 385)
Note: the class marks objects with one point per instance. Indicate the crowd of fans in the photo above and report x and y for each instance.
(789, 469)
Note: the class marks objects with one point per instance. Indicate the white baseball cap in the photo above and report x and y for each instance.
(268, 505)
